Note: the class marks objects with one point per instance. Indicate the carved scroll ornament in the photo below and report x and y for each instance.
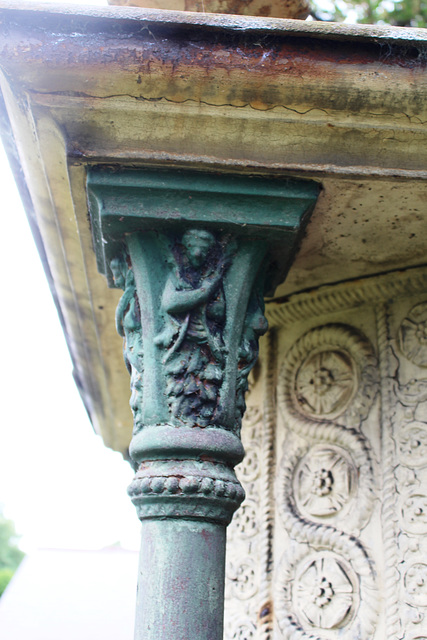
(326, 583)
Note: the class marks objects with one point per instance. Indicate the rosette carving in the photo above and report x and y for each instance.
(415, 582)
(325, 585)
(414, 513)
(325, 591)
(330, 373)
(412, 444)
(330, 481)
(324, 481)
(243, 576)
(325, 383)
(324, 594)
(243, 631)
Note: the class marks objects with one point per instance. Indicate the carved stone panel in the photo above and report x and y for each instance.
(336, 470)
(325, 487)
(244, 558)
(248, 605)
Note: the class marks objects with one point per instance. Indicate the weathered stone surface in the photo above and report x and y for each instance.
(334, 521)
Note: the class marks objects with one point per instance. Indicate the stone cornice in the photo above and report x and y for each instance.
(224, 72)
(132, 15)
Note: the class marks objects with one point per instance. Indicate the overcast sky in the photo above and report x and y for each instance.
(58, 482)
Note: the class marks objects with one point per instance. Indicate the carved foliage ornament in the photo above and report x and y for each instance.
(128, 325)
(189, 350)
(192, 336)
(193, 346)
(199, 246)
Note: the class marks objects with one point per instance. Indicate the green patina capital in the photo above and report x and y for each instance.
(195, 254)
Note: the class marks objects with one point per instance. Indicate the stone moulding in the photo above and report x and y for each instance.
(330, 298)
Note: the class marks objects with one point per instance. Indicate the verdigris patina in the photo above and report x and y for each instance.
(194, 254)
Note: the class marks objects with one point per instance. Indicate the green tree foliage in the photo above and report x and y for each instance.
(10, 554)
(5, 578)
(401, 13)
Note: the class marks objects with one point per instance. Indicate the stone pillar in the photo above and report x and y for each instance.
(194, 255)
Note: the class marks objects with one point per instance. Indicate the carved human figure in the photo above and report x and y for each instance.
(128, 324)
(193, 305)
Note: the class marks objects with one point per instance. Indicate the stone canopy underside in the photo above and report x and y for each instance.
(195, 161)
(342, 106)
